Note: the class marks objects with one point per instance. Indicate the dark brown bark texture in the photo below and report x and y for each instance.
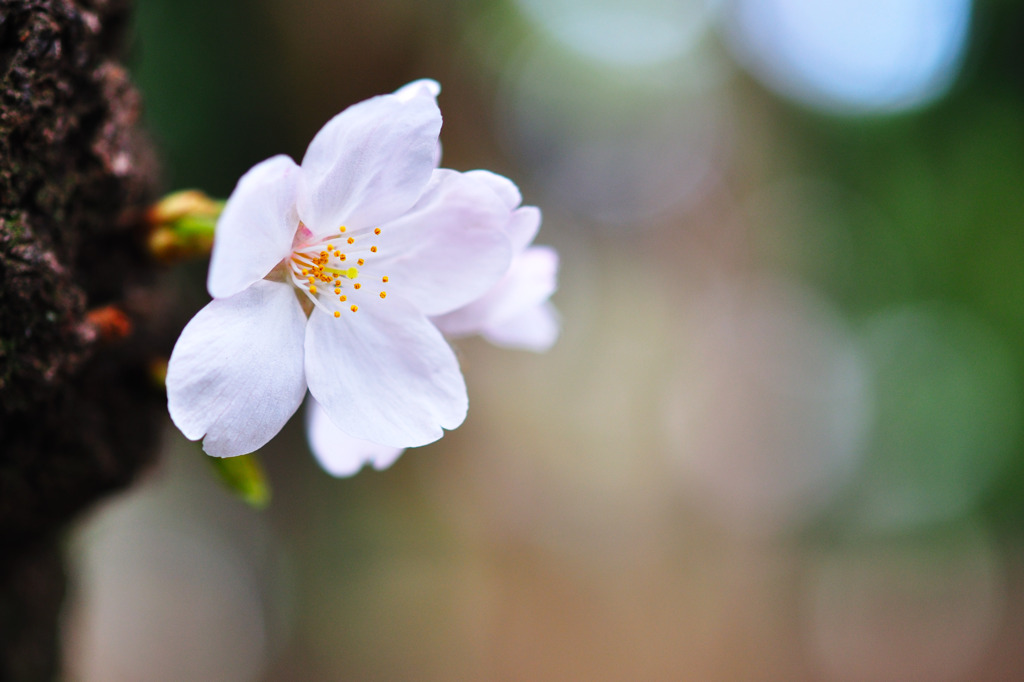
(79, 413)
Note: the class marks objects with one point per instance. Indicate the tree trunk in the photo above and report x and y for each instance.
(79, 412)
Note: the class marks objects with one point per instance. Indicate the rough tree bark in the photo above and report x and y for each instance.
(79, 414)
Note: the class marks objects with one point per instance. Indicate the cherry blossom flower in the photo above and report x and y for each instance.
(515, 312)
(326, 276)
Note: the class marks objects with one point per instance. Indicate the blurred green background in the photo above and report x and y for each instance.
(781, 435)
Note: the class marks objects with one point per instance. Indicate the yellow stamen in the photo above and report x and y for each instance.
(312, 288)
(376, 230)
(373, 249)
(361, 262)
(357, 285)
(351, 240)
(337, 290)
(384, 278)
(342, 228)
(337, 314)
(354, 308)
(383, 294)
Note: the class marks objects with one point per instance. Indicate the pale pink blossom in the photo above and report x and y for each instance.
(327, 275)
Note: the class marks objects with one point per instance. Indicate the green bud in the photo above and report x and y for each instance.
(182, 225)
(244, 476)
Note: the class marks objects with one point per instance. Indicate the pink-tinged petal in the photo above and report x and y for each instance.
(236, 372)
(523, 228)
(533, 329)
(385, 374)
(500, 185)
(528, 284)
(449, 248)
(339, 453)
(525, 221)
(369, 163)
(255, 230)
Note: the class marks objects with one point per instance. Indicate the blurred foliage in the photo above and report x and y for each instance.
(207, 70)
(934, 208)
(910, 224)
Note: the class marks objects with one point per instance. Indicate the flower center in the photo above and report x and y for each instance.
(331, 271)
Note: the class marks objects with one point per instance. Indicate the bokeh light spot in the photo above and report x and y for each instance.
(947, 414)
(769, 411)
(623, 32)
(852, 56)
(617, 147)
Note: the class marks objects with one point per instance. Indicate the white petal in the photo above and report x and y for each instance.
(255, 230)
(500, 185)
(449, 248)
(437, 154)
(533, 329)
(423, 86)
(236, 372)
(529, 283)
(385, 374)
(339, 453)
(369, 163)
